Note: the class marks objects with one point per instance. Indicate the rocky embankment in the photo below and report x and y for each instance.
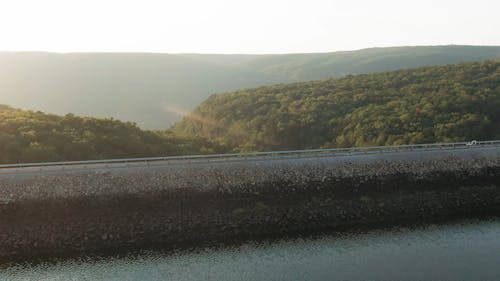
(97, 210)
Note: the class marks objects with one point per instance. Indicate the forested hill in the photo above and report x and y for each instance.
(425, 105)
(27, 136)
(155, 90)
(431, 104)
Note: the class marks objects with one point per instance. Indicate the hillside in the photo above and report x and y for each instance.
(28, 136)
(155, 90)
(431, 104)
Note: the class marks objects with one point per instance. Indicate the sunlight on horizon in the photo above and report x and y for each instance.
(260, 26)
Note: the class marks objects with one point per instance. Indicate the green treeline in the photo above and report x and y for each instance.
(27, 136)
(431, 104)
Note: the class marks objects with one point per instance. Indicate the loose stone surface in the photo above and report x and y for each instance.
(77, 210)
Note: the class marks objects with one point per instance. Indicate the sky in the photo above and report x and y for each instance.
(249, 26)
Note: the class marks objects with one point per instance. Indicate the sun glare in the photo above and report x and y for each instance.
(258, 26)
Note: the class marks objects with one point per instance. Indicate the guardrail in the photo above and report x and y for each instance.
(309, 152)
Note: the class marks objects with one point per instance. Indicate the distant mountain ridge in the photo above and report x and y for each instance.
(156, 90)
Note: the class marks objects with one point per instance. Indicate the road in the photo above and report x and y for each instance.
(486, 149)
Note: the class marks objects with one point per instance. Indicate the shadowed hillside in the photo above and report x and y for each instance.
(155, 90)
(28, 136)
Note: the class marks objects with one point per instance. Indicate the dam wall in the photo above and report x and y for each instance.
(60, 211)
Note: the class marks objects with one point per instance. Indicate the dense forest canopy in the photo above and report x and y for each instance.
(431, 104)
(27, 136)
(156, 90)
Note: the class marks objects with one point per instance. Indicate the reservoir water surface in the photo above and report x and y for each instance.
(464, 250)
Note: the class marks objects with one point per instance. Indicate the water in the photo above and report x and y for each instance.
(468, 250)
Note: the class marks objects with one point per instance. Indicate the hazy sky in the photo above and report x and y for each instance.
(249, 26)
